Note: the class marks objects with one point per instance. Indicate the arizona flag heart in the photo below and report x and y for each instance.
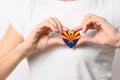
(70, 38)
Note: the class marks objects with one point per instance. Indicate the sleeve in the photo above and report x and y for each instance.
(116, 14)
(22, 17)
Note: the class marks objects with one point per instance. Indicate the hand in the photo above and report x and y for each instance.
(106, 34)
(39, 39)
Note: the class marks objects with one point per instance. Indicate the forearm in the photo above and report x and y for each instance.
(9, 61)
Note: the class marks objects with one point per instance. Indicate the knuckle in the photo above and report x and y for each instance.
(48, 19)
(89, 15)
(86, 16)
(101, 19)
(55, 18)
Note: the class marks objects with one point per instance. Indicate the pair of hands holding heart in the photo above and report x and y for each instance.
(39, 38)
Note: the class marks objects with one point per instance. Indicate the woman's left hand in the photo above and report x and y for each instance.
(106, 34)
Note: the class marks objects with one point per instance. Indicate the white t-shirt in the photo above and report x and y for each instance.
(86, 62)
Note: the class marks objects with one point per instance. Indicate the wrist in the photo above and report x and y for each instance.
(21, 50)
(25, 49)
(17, 54)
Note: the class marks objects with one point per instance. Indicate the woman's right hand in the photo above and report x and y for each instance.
(39, 38)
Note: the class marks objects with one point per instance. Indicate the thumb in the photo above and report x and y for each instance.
(55, 41)
(85, 40)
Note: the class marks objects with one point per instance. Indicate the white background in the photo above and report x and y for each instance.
(7, 9)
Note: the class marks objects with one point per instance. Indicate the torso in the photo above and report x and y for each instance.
(86, 62)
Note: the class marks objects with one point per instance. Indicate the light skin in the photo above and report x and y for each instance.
(18, 49)
(106, 33)
(12, 54)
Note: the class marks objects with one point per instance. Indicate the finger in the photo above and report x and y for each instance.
(52, 21)
(55, 41)
(85, 18)
(89, 16)
(82, 22)
(98, 19)
(48, 25)
(89, 24)
(88, 19)
(85, 40)
(85, 22)
(65, 28)
(60, 26)
(95, 16)
(85, 28)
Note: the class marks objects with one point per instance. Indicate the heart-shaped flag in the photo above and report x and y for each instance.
(70, 38)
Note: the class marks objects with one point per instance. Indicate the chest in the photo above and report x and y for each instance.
(69, 16)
